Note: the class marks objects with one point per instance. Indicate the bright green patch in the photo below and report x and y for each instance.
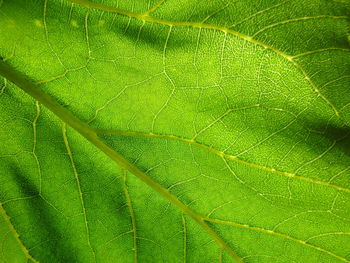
(174, 131)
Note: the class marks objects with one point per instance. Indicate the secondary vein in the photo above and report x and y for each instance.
(16, 235)
(271, 232)
(131, 212)
(76, 177)
(144, 17)
(86, 131)
(223, 155)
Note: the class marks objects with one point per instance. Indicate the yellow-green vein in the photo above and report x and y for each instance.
(76, 177)
(271, 232)
(184, 230)
(131, 212)
(16, 235)
(67, 117)
(224, 155)
(145, 18)
(34, 124)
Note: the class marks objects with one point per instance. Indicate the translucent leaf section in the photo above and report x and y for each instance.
(174, 131)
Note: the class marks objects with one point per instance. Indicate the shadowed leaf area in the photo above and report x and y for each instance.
(174, 131)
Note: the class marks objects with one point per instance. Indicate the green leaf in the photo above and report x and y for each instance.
(174, 131)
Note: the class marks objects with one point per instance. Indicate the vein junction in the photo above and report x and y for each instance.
(223, 155)
(146, 18)
(16, 235)
(92, 135)
(66, 116)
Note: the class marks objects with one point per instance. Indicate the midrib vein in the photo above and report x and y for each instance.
(67, 117)
(131, 212)
(16, 235)
(145, 18)
(77, 180)
(91, 135)
(222, 154)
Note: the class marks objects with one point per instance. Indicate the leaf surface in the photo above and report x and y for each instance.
(174, 131)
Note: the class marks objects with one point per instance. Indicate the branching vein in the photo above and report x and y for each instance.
(225, 155)
(145, 17)
(16, 235)
(76, 176)
(132, 214)
(68, 118)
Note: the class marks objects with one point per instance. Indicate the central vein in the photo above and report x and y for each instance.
(66, 116)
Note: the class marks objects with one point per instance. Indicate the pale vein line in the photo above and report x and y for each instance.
(296, 216)
(3, 87)
(154, 8)
(321, 50)
(2, 246)
(223, 116)
(76, 176)
(13, 53)
(60, 75)
(43, 242)
(317, 158)
(327, 234)
(168, 77)
(120, 93)
(53, 206)
(19, 199)
(222, 205)
(47, 33)
(345, 106)
(86, 20)
(296, 20)
(220, 255)
(70, 13)
(184, 230)
(316, 89)
(181, 182)
(265, 231)
(131, 212)
(341, 172)
(215, 12)
(37, 105)
(258, 13)
(222, 64)
(335, 80)
(247, 38)
(16, 235)
(115, 238)
(271, 135)
(224, 155)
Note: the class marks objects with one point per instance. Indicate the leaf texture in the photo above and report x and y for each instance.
(174, 131)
